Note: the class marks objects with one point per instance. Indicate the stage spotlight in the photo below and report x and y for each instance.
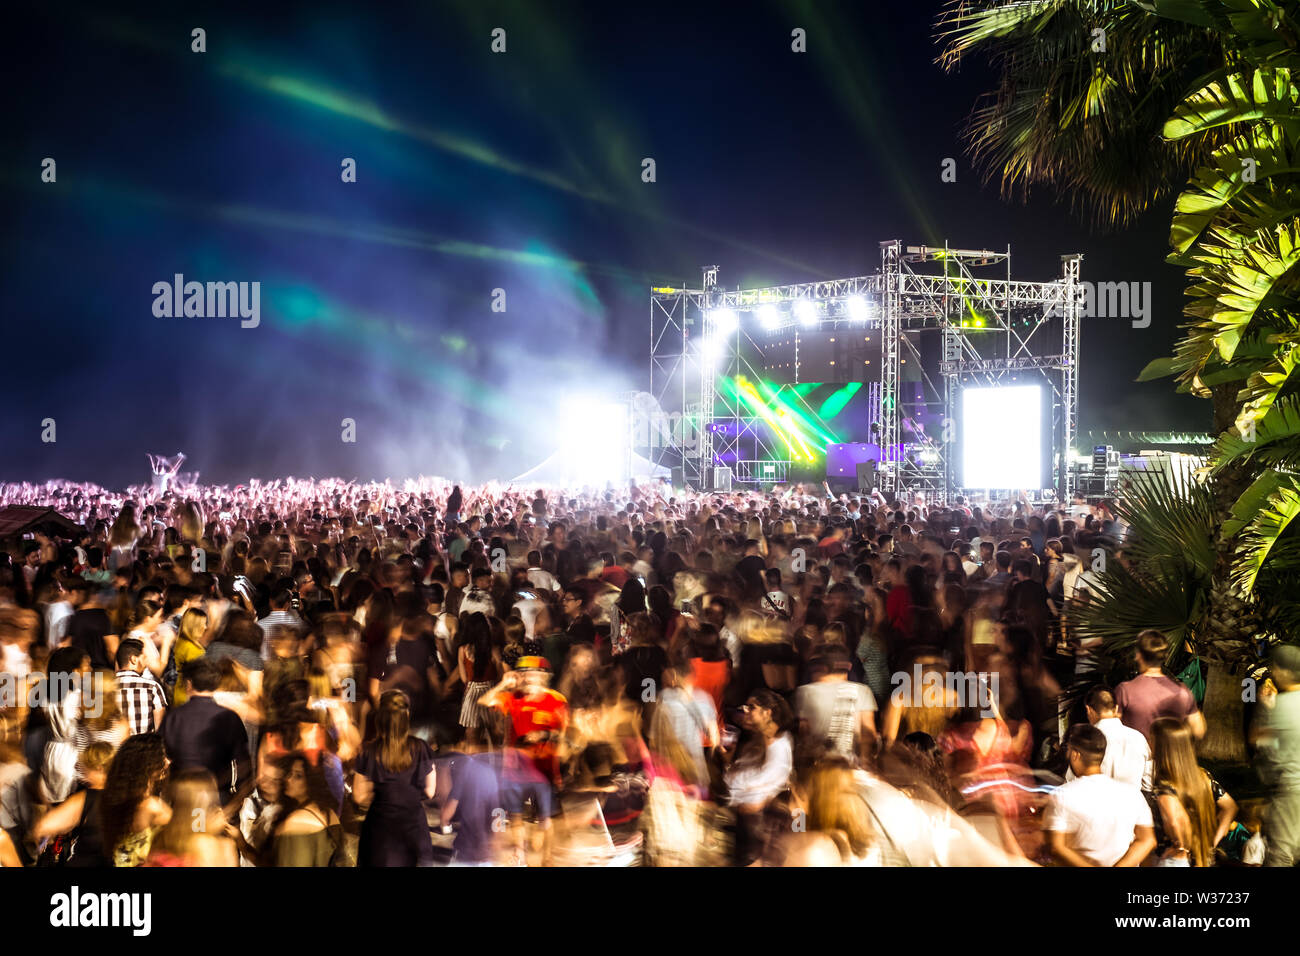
(858, 308)
(712, 350)
(724, 321)
(805, 311)
(770, 317)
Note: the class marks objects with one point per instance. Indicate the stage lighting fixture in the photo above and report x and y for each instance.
(713, 350)
(724, 321)
(857, 308)
(770, 317)
(1001, 437)
(805, 311)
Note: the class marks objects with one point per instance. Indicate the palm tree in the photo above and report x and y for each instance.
(1206, 91)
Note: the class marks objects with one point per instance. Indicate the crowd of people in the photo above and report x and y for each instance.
(326, 673)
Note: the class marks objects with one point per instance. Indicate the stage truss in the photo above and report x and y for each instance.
(696, 343)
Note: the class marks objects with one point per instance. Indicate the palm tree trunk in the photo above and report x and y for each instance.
(1224, 714)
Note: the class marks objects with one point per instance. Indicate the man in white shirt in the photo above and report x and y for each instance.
(57, 615)
(538, 576)
(1095, 820)
(1128, 755)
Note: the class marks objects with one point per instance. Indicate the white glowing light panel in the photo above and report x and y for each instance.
(1002, 437)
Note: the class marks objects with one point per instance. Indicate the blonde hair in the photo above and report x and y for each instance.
(835, 807)
(194, 624)
(190, 523)
(193, 796)
(125, 530)
(97, 756)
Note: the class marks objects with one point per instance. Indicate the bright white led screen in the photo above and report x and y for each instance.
(1002, 437)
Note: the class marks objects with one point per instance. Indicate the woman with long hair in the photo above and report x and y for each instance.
(926, 705)
(394, 776)
(1192, 812)
(131, 809)
(478, 670)
(660, 602)
(307, 832)
(296, 726)
(196, 833)
(631, 601)
(148, 627)
(122, 537)
(828, 794)
(189, 646)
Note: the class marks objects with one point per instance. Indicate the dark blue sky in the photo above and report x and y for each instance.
(476, 171)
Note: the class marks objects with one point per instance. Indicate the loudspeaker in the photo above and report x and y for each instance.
(677, 475)
(721, 479)
(866, 475)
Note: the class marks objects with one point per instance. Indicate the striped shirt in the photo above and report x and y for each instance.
(139, 696)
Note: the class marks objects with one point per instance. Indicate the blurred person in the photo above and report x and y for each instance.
(631, 602)
(689, 715)
(834, 712)
(305, 831)
(407, 661)
(775, 600)
(149, 627)
(760, 770)
(240, 641)
(474, 801)
(195, 834)
(74, 826)
(539, 577)
(579, 627)
(710, 665)
(394, 776)
(1278, 758)
(300, 722)
(91, 630)
(131, 808)
(642, 664)
(828, 796)
(921, 700)
(67, 680)
(478, 669)
(282, 616)
(537, 716)
(259, 812)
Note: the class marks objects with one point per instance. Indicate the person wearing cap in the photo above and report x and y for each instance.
(1278, 740)
(537, 715)
(536, 718)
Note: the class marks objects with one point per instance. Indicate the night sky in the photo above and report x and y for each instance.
(475, 171)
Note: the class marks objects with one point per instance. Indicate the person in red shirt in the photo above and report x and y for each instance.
(615, 574)
(833, 543)
(537, 715)
(537, 718)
